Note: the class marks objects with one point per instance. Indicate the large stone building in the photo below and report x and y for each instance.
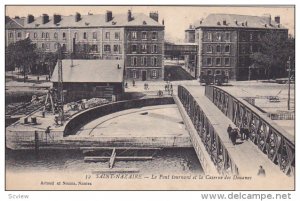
(135, 38)
(226, 41)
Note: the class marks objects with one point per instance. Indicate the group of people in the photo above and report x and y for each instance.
(169, 88)
(234, 133)
(146, 86)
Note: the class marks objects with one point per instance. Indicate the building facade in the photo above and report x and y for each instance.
(135, 38)
(226, 41)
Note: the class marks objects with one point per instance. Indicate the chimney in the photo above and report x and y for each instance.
(277, 19)
(191, 26)
(246, 23)
(108, 16)
(118, 66)
(224, 22)
(236, 22)
(129, 16)
(154, 16)
(56, 18)
(77, 17)
(163, 22)
(218, 23)
(30, 18)
(45, 18)
(17, 17)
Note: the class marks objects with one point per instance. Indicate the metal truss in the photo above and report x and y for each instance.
(273, 141)
(209, 137)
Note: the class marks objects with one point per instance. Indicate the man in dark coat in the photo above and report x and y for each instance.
(229, 129)
(234, 135)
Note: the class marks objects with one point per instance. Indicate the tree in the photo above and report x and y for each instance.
(275, 49)
(22, 54)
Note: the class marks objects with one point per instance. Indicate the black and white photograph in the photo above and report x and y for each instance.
(149, 97)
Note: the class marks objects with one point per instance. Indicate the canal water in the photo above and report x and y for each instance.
(179, 160)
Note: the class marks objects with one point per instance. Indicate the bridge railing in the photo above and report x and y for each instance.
(207, 133)
(272, 140)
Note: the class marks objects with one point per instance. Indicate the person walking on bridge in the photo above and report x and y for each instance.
(234, 135)
(229, 129)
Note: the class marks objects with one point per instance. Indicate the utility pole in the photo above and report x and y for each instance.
(60, 84)
(289, 90)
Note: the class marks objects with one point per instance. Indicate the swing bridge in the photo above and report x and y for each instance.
(207, 114)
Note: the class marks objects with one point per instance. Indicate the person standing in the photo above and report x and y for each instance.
(229, 129)
(261, 171)
(234, 135)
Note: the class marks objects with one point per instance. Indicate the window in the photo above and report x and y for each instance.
(43, 35)
(133, 61)
(154, 73)
(55, 46)
(209, 72)
(209, 49)
(218, 48)
(144, 61)
(94, 48)
(55, 35)
(227, 36)
(197, 36)
(117, 35)
(154, 48)
(19, 35)
(219, 37)
(106, 48)
(116, 48)
(209, 36)
(144, 35)
(227, 61)
(154, 61)
(11, 34)
(134, 73)
(217, 72)
(251, 48)
(94, 35)
(35, 35)
(107, 35)
(84, 35)
(63, 47)
(251, 36)
(218, 61)
(47, 35)
(133, 48)
(144, 48)
(227, 48)
(47, 46)
(243, 49)
(134, 35)
(43, 46)
(64, 35)
(154, 35)
(208, 61)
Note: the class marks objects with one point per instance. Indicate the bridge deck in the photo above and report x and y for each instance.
(245, 154)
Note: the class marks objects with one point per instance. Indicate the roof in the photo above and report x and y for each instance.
(98, 20)
(14, 23)
(231, 19)
(90, 71)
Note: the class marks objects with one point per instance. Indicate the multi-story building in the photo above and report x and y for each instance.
(226, 41)
(135, 38)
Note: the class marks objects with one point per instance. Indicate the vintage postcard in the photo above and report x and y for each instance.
(149, 97)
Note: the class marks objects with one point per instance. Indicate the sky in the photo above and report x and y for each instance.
(177, 18)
